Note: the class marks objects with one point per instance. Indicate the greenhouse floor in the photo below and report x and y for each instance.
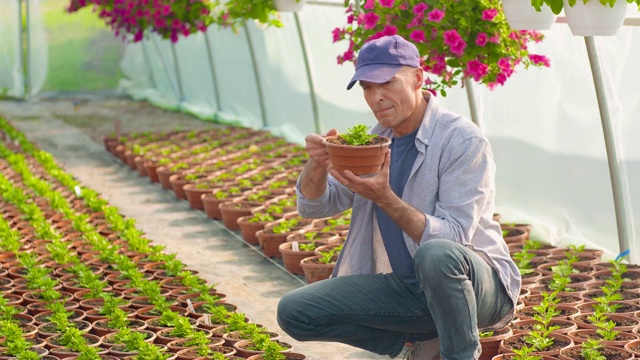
(71, 130)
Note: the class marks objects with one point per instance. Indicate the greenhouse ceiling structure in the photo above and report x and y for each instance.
(564, 137)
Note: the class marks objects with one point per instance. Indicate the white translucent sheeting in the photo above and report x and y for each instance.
(38, 48)
(11, 75)
(544, 124)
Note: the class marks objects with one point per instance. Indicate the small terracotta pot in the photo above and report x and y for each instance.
(360, 160)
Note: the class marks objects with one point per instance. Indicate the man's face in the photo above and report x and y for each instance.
(394, 101)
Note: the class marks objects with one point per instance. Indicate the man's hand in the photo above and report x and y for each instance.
(313, 182)
(375, 188)
(316, 149)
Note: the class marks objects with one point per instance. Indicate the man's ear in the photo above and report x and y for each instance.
(419, 77)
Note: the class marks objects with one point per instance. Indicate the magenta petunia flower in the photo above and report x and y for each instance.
(476, 69)
(458, 48)
(369, 4)
(505, 65)
(420, 8)
(417, 36)
(370, 20)
(481, 39)
(501, 78)
(387, 3)
(540, 59)
(389, 30)
(337, 32)
(451, 37)
(415, 22)
(495, 39)
(435, 15)
(489, 14)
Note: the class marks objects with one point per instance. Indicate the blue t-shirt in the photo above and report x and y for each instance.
(403, 156)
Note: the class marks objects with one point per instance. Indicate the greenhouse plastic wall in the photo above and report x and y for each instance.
(70, 53)
(544, 124)
(11, 69)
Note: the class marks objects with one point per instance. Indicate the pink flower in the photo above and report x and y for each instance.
(495, 39)
(389, 30)
(540, 59)
(501, 78)
(417, 21)
(369, 4)
(435, 15)
(420, 8)
(458, 48)
(337, 32)
(350, 18)
(489, 14)
(481, 39)
(433, 92)
(440, 64)
(505, 65)
(476, 69)
(387, 3)
(417, 36)
(139, 35)
(451, 37)
(348, 55)
(370, 20)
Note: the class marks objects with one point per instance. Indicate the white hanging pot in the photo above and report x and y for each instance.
(595, 19)
(522, 16)
(289, 5)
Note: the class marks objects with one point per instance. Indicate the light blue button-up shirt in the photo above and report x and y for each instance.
(452, 182)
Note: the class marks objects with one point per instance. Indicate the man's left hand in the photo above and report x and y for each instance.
(375, 188)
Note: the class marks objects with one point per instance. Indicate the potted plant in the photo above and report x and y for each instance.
(522, 16)
(457, 40)
(589, 17)
(357, 150)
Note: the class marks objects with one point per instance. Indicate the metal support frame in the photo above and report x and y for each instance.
(263, 111)
(618, 182)
(176, 68)
(312, 90)
(145, 55)
(212, 67)
(176, 91)
(27, 72)
(471, 97)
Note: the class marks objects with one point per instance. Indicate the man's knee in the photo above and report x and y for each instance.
(434, 253)
(291, 315)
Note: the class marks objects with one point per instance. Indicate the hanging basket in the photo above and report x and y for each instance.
(289, 5)
(595, 19)
(522, 16)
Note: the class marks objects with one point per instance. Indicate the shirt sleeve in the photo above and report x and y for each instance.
(336, 199)
(466, 183)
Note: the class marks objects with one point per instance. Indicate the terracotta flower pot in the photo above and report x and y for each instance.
(291, 258)
(231, 211)
(574, 352)
(314, 270)
(360, 160)
(491, 344)
(582, 335)
(242, 348)
(515, 342)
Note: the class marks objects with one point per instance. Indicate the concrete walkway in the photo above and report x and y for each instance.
(70, 129)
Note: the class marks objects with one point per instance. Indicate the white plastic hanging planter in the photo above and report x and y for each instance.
(522, 16)
(289, 5)
(595, 19)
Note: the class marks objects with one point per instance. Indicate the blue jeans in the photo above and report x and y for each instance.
(458, 292)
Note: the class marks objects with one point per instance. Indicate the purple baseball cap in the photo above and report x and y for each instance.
(380, 59)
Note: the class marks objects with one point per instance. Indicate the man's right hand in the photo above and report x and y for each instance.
(313, 181)
(317, 150)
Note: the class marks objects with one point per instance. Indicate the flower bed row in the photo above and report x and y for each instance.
(568, 292)
(78, 279)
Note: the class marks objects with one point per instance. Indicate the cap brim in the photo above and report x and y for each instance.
(376, 73)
